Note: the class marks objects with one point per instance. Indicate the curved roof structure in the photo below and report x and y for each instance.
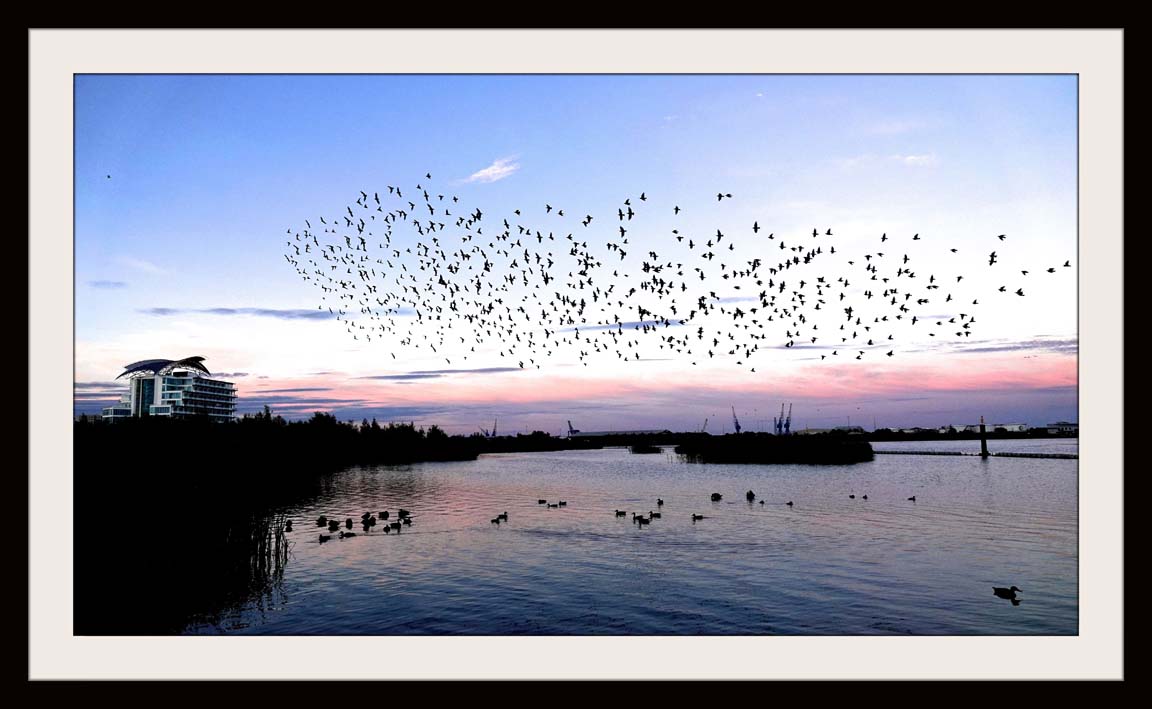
(162, 366)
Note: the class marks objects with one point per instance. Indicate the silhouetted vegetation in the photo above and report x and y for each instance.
(180, 521)
(832, 448)
(952, 434)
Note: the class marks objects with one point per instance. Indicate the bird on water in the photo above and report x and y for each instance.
(1008, 593)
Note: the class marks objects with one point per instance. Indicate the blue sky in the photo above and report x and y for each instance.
(208, 173)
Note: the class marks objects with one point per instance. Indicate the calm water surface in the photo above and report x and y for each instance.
(828, 565)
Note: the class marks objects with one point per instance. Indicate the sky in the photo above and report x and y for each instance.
(189, 191)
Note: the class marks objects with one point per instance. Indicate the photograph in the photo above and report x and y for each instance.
(692, 356)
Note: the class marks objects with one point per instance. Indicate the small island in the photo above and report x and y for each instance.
(831, 448)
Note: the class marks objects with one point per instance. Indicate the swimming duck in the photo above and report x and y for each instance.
(750, 495)
(659, 502)
(652, 515)
(541, 502)
(696, 517)
(1008, 593)
(716, 497)
(395, 525)
(912, 499)
(789, 503)
(384, 514)
(325, 537)
(321, 521)
(621, 513)
(402, 513)
(642, 521)
(347, 534)
(503, 516)
(563, 503)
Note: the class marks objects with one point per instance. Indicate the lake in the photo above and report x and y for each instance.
(828, 565)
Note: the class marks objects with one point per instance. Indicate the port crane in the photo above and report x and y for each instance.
(705, 426)
(735, 421)
(787, 421)
(487, 433)
(572, 431)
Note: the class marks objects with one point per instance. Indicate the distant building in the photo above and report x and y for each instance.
(597, 434)
(1065, 428)
(1009, 427)
(174, 388)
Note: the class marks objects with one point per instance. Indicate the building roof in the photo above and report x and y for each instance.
(160, 366)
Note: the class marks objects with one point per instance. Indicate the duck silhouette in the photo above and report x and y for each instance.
(750, 495)
(1006, 593)
(716, 497)
(621, 513)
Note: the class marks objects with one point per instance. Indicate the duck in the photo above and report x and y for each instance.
(851, 497)
(562, 503)
(654, 515)
(407, 521)
(325, 537)
(551, 505)
(696, 517)
(789, 503)
(288, 527)
(333, 525)
(659, 502)
(347, 534)
(496, 521)
(503, 516)
(384, 514)
(716, 497)
(864, 497)
(761, 501)
(1008, 593)
(541, 502)
(643, 521)
(321, 521)
(348, 523)
(750, 495)
(387, 528)
(395, 525)
(912, 499)
(621, 513)
(402, 513)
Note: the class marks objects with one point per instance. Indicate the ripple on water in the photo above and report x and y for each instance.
(828, 565)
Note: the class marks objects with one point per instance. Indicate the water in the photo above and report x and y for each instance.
(829, 565)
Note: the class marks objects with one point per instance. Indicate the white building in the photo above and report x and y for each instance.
(165, 387)
(1064, 427)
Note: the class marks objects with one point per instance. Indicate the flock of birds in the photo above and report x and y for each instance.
(414, 268)
(368, 520)
(404, 518)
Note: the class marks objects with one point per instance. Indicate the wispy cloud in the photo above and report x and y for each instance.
(436, 373)
(279, 313)
(633, 325)
(140, 264)
(109, 285)
(925, 160)
(498, 170)
(871, 159)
